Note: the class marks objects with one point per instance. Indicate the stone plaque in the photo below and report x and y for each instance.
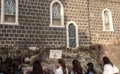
(55, 54)
(32, 48)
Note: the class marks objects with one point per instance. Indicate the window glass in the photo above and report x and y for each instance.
(9, 10)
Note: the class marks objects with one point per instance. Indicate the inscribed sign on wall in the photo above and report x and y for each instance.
(56, 54)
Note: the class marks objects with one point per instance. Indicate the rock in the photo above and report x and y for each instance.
(112, 50)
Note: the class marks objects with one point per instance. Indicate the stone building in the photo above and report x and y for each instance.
(58, 23)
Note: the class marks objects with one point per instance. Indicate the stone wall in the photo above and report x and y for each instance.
(112, 50)
(108, 39)
(34, 21)
(77, 11)
(83, 54)
(96, 24)
(33, 28)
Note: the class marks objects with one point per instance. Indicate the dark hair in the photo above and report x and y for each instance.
(77, 67)
(62, 63)
(37, 68)
(1, 59)
(18, 60)
(91, 68)
(9, 61)
(4, 67)
(106, 60)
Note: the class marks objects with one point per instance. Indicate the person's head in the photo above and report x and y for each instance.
(106, 60)
(76, 66)
(75, 62)
(90, 65)
(61, 63)
(4, 67)
(9, 61)
(17, 62)
(91, 68)
(37, 68)
(1, 59)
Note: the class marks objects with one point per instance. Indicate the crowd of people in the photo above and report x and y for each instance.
(10, 66)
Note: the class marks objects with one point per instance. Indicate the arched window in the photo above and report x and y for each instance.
(56, 14)
(72, 35)
(0, 9)
(9, 11)
(107, 20)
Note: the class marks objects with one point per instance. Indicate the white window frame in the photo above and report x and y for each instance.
(61, 13)
(76, 28)
(110, 20)
(2, 14)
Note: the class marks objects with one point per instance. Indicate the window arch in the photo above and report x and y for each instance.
(9, 11)
(56, 14)
(72, 35)
(107, 20)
